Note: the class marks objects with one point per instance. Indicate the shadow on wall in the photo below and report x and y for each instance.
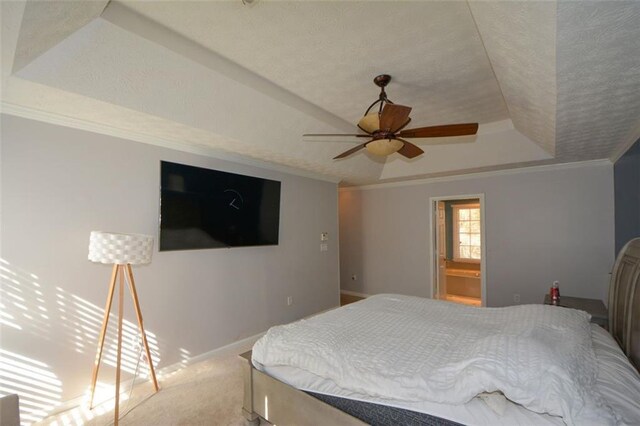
(52, 316)
(351, 243)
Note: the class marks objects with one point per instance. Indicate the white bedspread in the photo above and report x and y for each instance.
(414, 349)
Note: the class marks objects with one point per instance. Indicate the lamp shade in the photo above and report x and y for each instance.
(111, 247)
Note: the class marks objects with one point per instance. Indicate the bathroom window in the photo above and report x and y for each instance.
(466, 232)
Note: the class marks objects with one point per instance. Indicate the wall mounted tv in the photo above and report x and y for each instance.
(204, 208)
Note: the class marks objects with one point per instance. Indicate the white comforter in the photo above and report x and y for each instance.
(414, 349)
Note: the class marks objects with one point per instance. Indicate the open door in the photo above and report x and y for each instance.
(457, 257)
(441, 253)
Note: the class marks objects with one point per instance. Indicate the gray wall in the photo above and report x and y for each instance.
(627, 196)
(541, 226)
(58, 184)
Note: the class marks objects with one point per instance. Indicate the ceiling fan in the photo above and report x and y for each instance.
(384, 128)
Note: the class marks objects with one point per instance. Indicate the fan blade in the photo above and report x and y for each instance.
(409, 150)
(393, 117)
(370, 123)
(463, 129)
(403, 126)
(335, 134)
(351, 151)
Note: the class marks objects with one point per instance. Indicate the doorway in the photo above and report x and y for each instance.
(458, 249)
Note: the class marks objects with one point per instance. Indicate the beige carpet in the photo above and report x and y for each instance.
(207, 393)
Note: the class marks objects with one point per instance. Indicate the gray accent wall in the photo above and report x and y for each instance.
(627, 196)
(58, 184)
(554, 223)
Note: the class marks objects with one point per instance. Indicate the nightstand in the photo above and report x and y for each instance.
(595, 307)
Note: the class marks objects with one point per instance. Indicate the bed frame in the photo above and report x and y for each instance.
(282, 404)
(268, 398)
(624, 301)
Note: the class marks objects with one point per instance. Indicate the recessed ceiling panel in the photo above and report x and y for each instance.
(251, 80)
(329, 52)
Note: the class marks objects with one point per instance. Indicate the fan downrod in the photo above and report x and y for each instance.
(382, 80)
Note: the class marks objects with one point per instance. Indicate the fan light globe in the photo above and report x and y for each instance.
(384, 147)
(370, 122)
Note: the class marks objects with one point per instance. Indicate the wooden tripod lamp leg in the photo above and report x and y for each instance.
(136, 304)
(103, 331)
(119, 249)
(119, 355)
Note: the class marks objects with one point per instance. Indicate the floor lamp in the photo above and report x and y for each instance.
(121, 250)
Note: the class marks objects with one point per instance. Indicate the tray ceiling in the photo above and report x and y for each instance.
(549, 82)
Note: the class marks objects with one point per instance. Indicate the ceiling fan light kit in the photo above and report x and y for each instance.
(370, 123)
(385, 128)
(384, 147)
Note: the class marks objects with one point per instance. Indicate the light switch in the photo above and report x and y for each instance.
(324, 236)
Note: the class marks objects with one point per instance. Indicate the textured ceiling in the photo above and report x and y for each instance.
(329, 52)
(45, 24)
(547, 81)
(598, 78)
(520, 40)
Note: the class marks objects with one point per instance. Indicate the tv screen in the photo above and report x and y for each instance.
(202, 208)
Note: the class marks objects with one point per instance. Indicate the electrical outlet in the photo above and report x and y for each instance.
(516, 298)
(289, 300)
(324, 236)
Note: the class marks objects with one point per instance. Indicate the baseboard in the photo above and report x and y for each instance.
(236, 348)
(354, 293)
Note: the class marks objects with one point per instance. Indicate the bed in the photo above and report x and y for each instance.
(545, 358)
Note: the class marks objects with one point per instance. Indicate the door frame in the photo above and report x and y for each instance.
(433, 251)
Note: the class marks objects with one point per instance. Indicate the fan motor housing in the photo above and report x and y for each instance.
(382, 80)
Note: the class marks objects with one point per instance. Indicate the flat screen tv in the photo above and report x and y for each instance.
(203, 208)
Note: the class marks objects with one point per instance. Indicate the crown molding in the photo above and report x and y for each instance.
(492, 173)
(617, 154)
(104, 129)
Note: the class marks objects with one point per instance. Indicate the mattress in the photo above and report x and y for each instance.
(381, 415)
(616, 381)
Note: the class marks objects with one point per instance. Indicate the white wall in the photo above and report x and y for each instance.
(541, 225)
(58, 184)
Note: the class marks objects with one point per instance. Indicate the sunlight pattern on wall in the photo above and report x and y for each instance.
(82, 321)
(56, 319)
(185, 356)
(38, 387)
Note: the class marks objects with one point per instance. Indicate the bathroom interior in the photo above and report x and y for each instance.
(459, 251)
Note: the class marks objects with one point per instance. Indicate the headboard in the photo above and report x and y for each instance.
(624, 301)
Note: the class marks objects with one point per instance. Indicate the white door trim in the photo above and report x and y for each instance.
(433, 252)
